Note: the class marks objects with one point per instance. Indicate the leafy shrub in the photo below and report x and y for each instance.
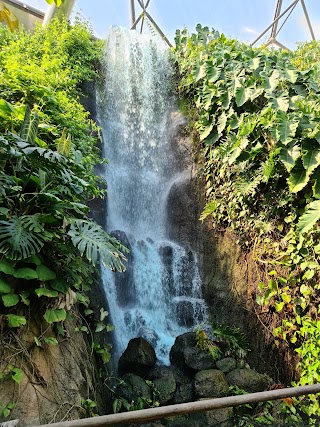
(256, 120)
(49, 245)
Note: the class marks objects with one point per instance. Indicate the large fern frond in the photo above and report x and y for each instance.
(93, 241)
(248, 186)
(233, 337)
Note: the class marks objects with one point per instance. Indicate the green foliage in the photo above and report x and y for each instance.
(307, 57)
(252, 415)
(48, 151)
(5, 411)
(138, 402)
(90, 407)
(236, 340)
(232, 338)
(203, 342)
(256, 123)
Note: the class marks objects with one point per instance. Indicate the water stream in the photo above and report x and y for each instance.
(159, 296)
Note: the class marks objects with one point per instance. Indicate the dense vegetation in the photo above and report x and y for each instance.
(256, 121)
(49, 245)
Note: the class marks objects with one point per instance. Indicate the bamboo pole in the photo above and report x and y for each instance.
(136, 22)
(152, 414)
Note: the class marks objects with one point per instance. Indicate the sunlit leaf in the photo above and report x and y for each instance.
(9, 300)
(311, 159)
(287, 128)
(298, 179)
(57, 315)
(310, 217)
(242, 95)
(16, 321)
(46, 292)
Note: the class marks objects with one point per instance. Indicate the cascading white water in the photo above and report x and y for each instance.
(159, 296)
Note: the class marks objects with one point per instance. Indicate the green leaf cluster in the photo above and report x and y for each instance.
(256, 123)
(49, 245)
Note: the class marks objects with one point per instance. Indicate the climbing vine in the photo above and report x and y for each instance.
(256, 120)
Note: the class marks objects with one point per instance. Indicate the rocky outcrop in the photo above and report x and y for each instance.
(186, 381)
(226, 364)
(185, 355)
(138, 358)
(131, 387)
(55, 378)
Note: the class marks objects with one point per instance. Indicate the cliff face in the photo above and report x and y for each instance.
(56, 378)
(230, 275)
(230, 281)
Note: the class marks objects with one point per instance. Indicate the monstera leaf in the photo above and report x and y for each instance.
(21, 237)
(93, 241)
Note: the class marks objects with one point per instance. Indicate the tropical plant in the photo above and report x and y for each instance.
(255, 121)
(43, 210)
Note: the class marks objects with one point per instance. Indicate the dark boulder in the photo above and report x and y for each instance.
(132, 388)
(138, 358)
(184, 393)
(165, 389)
(164, 382)
(226, 364)
(185, 355)
(210, 383)
(249, 380)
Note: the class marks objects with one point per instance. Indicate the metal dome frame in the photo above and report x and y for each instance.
(277, 16)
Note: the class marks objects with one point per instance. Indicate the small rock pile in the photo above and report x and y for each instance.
(193, 375)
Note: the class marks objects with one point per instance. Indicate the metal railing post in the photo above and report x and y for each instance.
(58, 12)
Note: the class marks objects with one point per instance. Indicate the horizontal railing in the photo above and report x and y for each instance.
(153, 414)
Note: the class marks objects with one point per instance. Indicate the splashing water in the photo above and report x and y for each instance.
(159, 296)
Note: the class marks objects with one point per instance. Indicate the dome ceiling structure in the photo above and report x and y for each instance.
(281, 23)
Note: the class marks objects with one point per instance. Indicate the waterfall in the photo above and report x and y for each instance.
(159, 296)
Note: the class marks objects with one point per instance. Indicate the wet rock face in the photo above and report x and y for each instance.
(182, 212)
(187, 311)
(138, 358)
(124, 281)
(166, 254)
